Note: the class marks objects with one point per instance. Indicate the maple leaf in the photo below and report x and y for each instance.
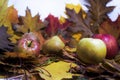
(109, 27)
(55, 26)
(54, 70)
(29, 23)
(97, 11)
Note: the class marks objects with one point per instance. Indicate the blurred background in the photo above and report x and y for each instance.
(56, 7)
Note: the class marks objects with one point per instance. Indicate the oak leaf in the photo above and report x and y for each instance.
(80, 23)
(109, 27)
(77, 7)
(77, 36)
(89, 24)
(97, 11)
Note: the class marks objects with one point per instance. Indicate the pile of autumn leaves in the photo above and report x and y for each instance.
(69, 30)
(14, 28)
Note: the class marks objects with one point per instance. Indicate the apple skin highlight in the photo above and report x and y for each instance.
(29, 43)
(111, 44)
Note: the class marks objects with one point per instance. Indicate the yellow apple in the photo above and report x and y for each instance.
(91, 51)
(53, 45)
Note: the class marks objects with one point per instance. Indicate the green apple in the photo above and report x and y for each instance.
(91, 51)
(53, 45)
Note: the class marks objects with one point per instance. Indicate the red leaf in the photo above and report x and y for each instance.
(54, 25)
(110, 27)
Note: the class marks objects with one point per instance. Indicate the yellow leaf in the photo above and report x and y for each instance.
(69, 49)
(8, 15)
(57, 70)
(77, 36)
(3, 10)
(62, 20)
(14, 38)
(30, 23)
(77, 8)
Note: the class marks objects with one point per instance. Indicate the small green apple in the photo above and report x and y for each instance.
(53, 45)
(91, 51)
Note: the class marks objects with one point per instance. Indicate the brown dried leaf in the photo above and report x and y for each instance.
(111, 66)
(94, 69)
(79, 22)
(98, 12)
(12, 15)
(109, 27)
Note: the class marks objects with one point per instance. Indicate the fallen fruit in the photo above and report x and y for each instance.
(29, 44)
(111, 44)
(53, 45)
(91, 51)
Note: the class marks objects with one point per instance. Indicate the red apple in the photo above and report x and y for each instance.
(111, 44)
(29, 44)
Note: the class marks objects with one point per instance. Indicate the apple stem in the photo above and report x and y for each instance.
(29, 43)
